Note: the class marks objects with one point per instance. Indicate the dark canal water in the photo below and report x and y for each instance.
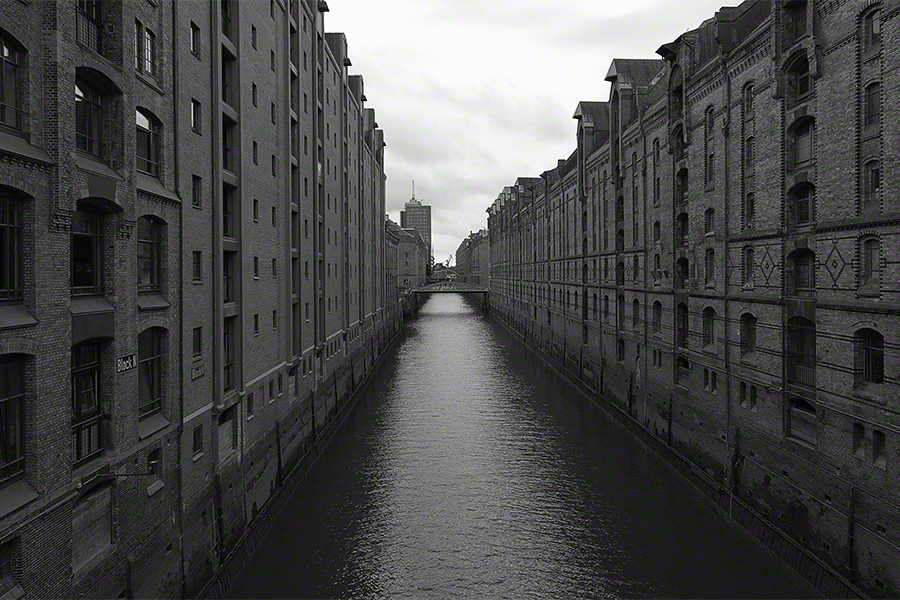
(470, 469)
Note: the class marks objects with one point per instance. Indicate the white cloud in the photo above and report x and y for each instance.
(472, 94)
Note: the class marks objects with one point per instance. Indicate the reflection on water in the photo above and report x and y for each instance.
(471, 469)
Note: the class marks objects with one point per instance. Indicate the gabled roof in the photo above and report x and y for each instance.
(595, 113)
(634, 71)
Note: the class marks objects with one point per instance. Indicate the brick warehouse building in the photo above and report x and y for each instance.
(252, 182)
(720, 257)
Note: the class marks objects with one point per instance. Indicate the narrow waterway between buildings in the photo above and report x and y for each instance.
(468, 468)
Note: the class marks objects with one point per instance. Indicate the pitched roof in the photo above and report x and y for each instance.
(635, 71)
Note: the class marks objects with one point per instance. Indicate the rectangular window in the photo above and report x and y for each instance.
(271, 389)
(12, 414)
(256, 324)
(256, 158)
(195, 40)
(859, 441)
(272, 60)
(149, 53)
(196, 116)
(280, 385)
(306, 269)
(255, 208)
(229, 342)
(272, 110)
(198, 439)
(274, 268)
(197, 342)
(87, 430)
(150, 374)
(274, 166)
(274, 220)
(879, 447)
(87, 253)
(11, 256)
(87, 24)
(228, 212)
(253, 36)
(249, 405)
(148, 258)
(228, 277)
(253, 93)
(196, 191)
(10, 84)
(274, 319)
(255, 267)
(198, 266)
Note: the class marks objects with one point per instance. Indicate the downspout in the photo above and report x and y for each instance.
(730, 461)
(180, 488)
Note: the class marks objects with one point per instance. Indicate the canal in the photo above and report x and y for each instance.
(468, 468)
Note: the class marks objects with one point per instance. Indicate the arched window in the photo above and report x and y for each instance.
(709, 220)
(872, 30)
(656, 153)
(748, 334)
(800, 205)
(802, 275)
(149, 253)
(681, 273)
(606, 307)
(748, 103)
(801, 84)
(150, 375)
(710, 266)
(657, 316)
(873, 104)
(802, 420)
(635, 313)
(11, 58)
(596, 307)
(709, 326)
(681, 229)
(749, 156)
(871, 183)
(620, 273)
(870, 264)
(709, 123)
(681, 326)
(636, 268)
(147, 146)
(869, 356)
(681, 186)
(88, 118)
(748, 266)
(657, 267)
(801, 351)
(620, 350)
(656, 231)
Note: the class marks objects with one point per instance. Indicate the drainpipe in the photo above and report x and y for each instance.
(726, 127)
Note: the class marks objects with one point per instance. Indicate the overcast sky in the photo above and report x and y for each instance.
(474, 93)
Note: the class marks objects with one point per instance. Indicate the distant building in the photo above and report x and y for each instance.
(412, 259)
(418, 216)
(473, 259)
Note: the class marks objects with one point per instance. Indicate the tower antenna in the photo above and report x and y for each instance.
(414, 189)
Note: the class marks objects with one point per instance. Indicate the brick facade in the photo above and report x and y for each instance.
(716, 259)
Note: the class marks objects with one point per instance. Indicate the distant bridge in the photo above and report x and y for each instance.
(451, 287)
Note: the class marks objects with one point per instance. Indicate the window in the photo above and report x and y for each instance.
(196, 191)
(681, 326)
(748, 267)
(620, 350)
(749, 209)
(87, 418)
(149, 246)
(253, 93)
(272, 389)
(879, 455)
(710, 266)
(272, 110)
(682, 274)
(150, 375)
(709, 123)
(748, 103)
(708, 220)
(274, 319)
(274, 166)
(198, 266)
(12, 413)
(198, 440)
(606, 308)
(870, 263)
(799, 77)
(197, 342)
(635, 313)
(657, 268)
(249, 405)
(253, 36)
(144, 49)
(710, 383)
(256, 162)
(748, 334)
(873, 104)
(859, 441)
(154, 462)
(274, 219)
(869, 356)
(709, 326)
(87, 24)
(872, 183)
(255, 205)
(195, 39)
(256, 267)
(228, 212)
(872, 30)
(803, 143)
(682, 371)
(656, 231)
(274, 268)
(272, 60)
(11, 252)
(801, 351)
(657, 317)
(796, 21)
(228, 338)
(801, 273)
(195, 116)
(802, 420)
(801, 205)
(710, 169)
(87, 252)
(147, 146)
(88, 118)
(749, 156)
(11, 113)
